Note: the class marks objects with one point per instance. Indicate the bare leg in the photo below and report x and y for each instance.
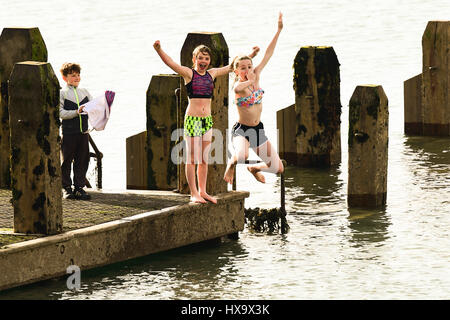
(229, 171)
(240, 154)
(272, 162)
(202, 170)
(193, 156)
(257, 174)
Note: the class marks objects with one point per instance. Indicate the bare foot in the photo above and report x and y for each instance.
(197, 199)
(229, 173)
(208, 197)
(257, 174)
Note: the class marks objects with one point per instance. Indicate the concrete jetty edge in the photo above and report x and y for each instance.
(127, 238)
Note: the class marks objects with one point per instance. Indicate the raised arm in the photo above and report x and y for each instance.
(185, 72)
(217, 72)
(271, 48)
(241, 86)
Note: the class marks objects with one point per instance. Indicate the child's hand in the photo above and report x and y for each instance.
(157, 45)
(280, 21)
(255, 52)
(80, 109)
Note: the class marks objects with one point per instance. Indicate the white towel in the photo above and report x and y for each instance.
(98, 112)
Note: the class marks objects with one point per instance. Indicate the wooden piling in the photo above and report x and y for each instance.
(413, 111)
(35, 148)
(162, 108)
(219, 105)
(136, 161)
(287, 141)
(317, 106)
(16, 44)
(435, 81)
(368, 147)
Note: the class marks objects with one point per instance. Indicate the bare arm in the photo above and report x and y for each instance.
(185, 72)
(241, 86)
(271, 48)
(217, 72)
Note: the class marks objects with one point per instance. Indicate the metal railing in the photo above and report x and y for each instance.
(282, 185)
(98, 155)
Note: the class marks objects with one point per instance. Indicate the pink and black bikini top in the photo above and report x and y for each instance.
(201, 86)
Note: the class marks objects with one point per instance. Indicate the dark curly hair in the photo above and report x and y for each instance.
(68, 68)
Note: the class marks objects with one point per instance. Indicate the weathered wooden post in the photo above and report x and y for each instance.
(162, 106)
(150, 161)
(368, 147)
(136, 161)
(35, 148)
(435, 81)
(413, 111)
(219, 106)
(317, 106)
(16, 44)
(287, 141)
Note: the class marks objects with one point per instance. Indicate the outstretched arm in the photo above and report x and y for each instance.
(216, 72)
(185, 72)
(271, 48)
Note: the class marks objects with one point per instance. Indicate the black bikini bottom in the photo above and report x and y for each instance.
(254, 134)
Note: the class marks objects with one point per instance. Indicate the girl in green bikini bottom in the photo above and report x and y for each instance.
(199, 82)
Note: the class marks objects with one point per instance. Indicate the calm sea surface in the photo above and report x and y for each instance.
(331, 252)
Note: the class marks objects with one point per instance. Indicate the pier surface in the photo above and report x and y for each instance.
(113, 227)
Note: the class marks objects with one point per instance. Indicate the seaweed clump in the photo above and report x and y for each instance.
(270, 220)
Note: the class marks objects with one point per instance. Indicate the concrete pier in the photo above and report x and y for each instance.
(35, 144)
(114, 227)
(219, 106)
(317, 107)
(16, 45)
(368, 147)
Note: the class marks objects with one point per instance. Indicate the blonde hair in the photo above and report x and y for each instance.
(235, 64)
(203, 49)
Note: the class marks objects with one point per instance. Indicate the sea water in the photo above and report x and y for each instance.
(331, 252)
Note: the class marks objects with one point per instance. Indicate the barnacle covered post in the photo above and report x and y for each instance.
(317, 107)
(368, 147)
(35, 148)
(16, 44)
(219, 108)
(436, 79)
